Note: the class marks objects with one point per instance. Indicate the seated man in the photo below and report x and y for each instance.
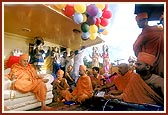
(144, 67)
(26, 80)
(83, 89)
(96, 79)
(68, 76)
(61, 93)
(121, 80)
(137, 91)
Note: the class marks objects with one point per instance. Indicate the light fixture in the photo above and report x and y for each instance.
(26, 29)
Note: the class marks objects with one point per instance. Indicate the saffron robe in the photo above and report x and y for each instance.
(151, 40)
(97, 81)
(62, 89)
(83, 89)
(137, 91)
(27, 80)
(121, 82)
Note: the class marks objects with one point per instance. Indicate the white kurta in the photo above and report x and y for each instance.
(78, 60)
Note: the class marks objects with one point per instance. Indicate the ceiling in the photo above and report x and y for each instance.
(33, 20)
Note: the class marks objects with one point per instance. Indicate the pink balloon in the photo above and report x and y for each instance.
(69, 10)
(105, 8)
(107, 14)
(104, 22)
(98, 20)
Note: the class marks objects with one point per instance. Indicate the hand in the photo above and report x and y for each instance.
(13, 77)
(57, 81)
(97, 89)
(45, 80)
(108, 96)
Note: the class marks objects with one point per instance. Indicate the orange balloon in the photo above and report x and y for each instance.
(105, 32)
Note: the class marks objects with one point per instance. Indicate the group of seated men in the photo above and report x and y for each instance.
(138, 87)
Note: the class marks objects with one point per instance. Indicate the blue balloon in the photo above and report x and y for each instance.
(85, 36)
(100, 30)
(99, 14)
(78, 18)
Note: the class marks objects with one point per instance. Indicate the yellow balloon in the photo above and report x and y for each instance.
(93, 36)
(60, 6)
(101, 27)
(93, 29)
(100, 6)
(80, 8)
(84, 17)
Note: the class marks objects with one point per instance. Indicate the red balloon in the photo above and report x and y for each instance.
(105, 8)
(69, 10)
(104, 22)
(107, 14)
(98, 20)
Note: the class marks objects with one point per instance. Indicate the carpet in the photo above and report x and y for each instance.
(59, 106)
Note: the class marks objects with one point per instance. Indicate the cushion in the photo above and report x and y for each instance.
(12, 60)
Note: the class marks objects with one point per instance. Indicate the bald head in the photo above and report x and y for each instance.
(123, 68)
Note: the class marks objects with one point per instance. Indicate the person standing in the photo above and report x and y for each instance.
(95, 57)
(150, 40)
(78, 60)
(55, 60)
(63, 61)
(39, 57)
(106, 60)
(69, 60)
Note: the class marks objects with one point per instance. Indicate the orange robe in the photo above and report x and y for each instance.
(97, 81)
(151, 40)
(27, 80)
(137, 91)
(62, 89)
(122, 81)
(83, 89)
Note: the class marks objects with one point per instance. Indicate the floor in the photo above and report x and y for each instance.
(101, 105)
(59, 106)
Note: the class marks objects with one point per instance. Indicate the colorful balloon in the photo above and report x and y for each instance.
(91, 20)
(98, 20)
(105, 32)
(85, 35)
(105, 8)
(60, 6)
(100, 6)
(78, 18)
(92, 10)
(104, 22)
(93, 29)
(85, 27)
(80, 8)
(69, 10)
(107, 14)
(100, 30)
(93, 36)
(84, 17)
(99, 13)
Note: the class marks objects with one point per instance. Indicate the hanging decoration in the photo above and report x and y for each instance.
(93, 18)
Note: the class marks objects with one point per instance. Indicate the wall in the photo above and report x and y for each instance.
(12, 41)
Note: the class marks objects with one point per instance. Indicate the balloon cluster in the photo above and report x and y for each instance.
(93, 18)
